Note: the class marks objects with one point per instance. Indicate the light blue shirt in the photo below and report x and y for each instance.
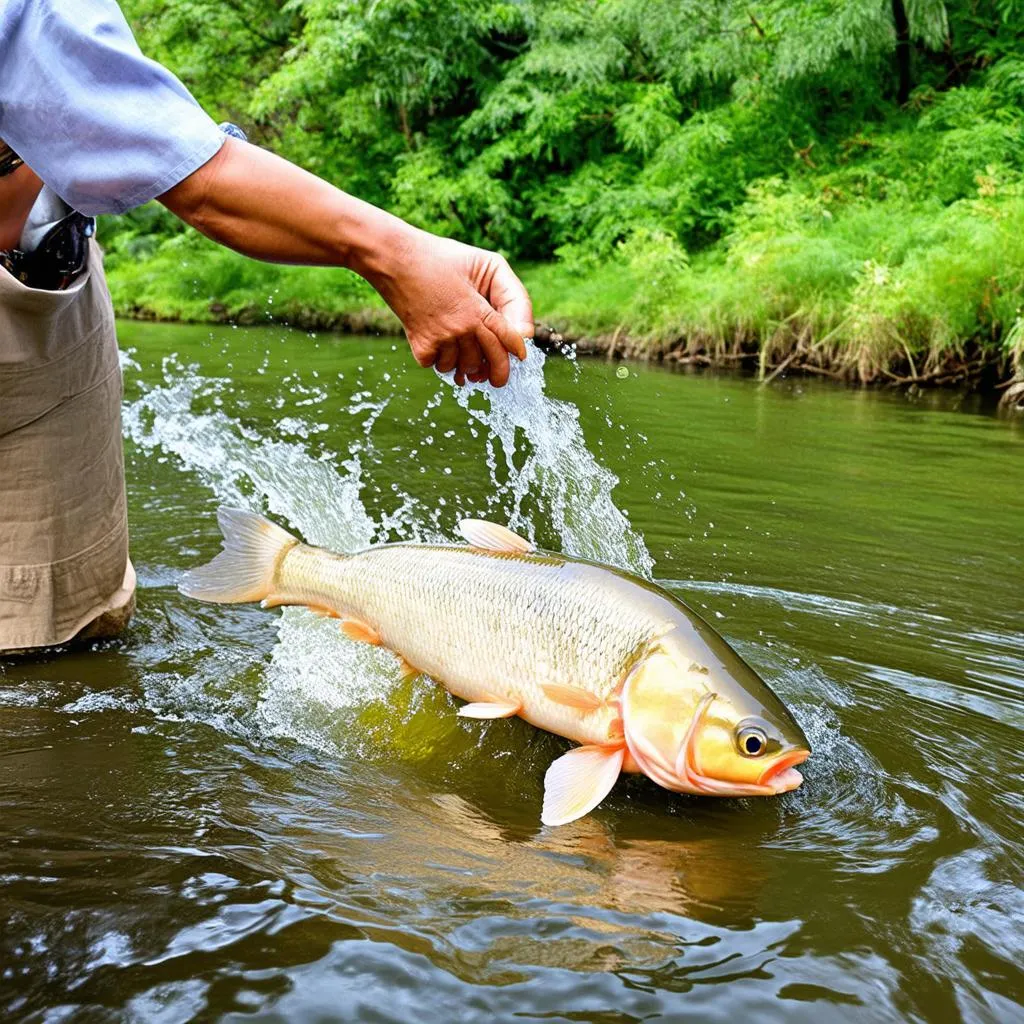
(105, 127)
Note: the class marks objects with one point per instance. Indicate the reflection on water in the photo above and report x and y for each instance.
(237, 812)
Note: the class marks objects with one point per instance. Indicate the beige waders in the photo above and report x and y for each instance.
(64, 568)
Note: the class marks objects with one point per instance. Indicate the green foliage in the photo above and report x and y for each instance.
(714, 170)
(868, 288)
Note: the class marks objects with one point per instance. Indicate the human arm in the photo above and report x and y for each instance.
(135, 133)
(462, 308)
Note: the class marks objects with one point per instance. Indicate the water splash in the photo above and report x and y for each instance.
(320, 496)
(545, 455)
(312, 673)
(536, 454)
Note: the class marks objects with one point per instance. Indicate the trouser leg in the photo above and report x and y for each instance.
(64, 568)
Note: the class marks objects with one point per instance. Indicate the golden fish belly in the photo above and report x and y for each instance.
(488, 625)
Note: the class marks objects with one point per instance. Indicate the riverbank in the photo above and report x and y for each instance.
(861, 292)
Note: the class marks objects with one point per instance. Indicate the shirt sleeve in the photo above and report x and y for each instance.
(104, 126)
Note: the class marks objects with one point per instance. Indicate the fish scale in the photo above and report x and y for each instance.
(487, 624)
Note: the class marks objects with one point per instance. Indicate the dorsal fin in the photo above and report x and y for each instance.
(492, 537)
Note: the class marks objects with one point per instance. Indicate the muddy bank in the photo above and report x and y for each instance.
(369, 320)
(968, 365)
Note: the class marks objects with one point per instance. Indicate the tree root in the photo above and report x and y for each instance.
(1013, 396)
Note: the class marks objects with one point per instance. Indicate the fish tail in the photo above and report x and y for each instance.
(246, 568)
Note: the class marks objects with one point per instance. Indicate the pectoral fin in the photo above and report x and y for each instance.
(494, 708)
(578, 781)
(492, 537)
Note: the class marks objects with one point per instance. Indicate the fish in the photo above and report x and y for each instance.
(587, 651)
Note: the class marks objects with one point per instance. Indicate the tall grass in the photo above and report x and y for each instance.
(190, 278)
(875, 290)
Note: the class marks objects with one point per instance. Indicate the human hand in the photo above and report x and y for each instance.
(463, 308)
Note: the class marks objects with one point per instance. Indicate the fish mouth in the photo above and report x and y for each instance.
(782, 776)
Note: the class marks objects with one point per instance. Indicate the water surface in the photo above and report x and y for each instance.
(240, 813)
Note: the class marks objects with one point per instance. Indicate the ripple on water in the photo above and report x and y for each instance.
(971, 920)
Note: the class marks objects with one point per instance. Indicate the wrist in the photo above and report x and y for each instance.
(378, 244)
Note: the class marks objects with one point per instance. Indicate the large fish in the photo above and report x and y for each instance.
(591, 653)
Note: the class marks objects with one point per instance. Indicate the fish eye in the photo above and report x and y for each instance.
(752, 741)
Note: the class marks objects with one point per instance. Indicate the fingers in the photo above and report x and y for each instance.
(511, 299)
(494, 351)
(509, 337)
(470, 356)
(478, 347)
(464, 356)
(470, 359)
(447, 356)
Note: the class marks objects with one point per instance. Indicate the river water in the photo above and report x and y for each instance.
(240, 813)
